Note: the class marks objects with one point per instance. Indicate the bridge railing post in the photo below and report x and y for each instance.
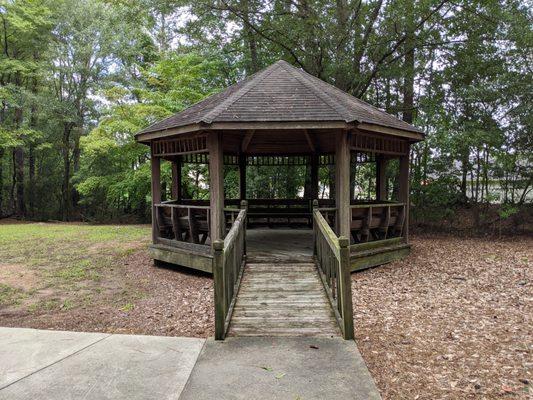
(219, 281)
(244, 206)
(345, 288)
(315, 207)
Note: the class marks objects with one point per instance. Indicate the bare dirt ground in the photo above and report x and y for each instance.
(146, 300)
(451, 321)
(97, 278)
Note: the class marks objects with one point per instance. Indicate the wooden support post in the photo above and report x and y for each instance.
(176, 178)
(314, 176)
(216, 185)
(218, 278)
(342, 184)
(403, 192)
(345, 288)
(242, 177)
(381, 178)
(156, 195)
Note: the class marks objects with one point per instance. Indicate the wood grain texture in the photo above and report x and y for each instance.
(282, 299)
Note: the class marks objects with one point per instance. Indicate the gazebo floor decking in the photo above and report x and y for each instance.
(279, 245)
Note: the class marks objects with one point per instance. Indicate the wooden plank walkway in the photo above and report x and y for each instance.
(282, 299)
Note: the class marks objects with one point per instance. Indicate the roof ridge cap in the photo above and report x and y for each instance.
(224, 105)
(331, 103)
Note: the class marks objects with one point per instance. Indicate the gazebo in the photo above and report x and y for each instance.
(281, 116)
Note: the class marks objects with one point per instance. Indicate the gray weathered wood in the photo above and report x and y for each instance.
(183, 257)
(156, 195)
(403, 193)
(216, 185)
(342, 183)
(219, 295)
(282, 300)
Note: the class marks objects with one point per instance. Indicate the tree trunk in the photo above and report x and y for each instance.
(2, 152)
(18, 171)
(409, 66)
(76, 153)
(65, 188)
(478, 172)
(464, 176)
(31, 183)
(251, 40)
(18, 165)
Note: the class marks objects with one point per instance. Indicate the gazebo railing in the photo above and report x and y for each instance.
(228, 266)
(332, 254)
(377, 221)
(181, 225)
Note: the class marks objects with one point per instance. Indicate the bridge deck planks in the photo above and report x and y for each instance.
(282, 299)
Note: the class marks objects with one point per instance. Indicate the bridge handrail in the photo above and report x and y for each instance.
(228, 265)
(332, 254)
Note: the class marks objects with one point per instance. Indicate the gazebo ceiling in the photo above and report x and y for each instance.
(280, 97)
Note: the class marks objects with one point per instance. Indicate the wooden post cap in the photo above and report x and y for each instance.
(315, 203)
(244, 203)
(218, 245)
(344, 241)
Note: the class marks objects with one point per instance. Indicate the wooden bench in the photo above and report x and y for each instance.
(183, 223)
(376, 221)
(279, 211)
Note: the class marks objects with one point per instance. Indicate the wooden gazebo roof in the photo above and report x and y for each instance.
(280, 97)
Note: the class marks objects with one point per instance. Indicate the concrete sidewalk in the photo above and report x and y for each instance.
(288, 368)
(51, 365)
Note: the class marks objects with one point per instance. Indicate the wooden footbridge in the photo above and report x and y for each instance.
(300, 295)
(282, 116)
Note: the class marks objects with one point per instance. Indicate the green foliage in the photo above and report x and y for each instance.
(507, 210)
(78, 79)
(436, 199)
(114, 175)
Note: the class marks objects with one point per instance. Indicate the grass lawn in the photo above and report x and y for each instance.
(62, 266)
(94, 278)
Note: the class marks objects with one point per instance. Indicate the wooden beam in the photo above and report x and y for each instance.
(156, 195)
(381, 178)
(216, 185)
(342, 183)
(246, 140)
(403, 192)
(391, 131)
(310, 142)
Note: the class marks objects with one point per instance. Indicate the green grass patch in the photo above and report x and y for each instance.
(45, 305)
(72, 261)
(10, 296)
(127, 307)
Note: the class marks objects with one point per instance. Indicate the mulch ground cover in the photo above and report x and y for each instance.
(451, 321)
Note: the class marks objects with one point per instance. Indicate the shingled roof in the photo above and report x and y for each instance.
(281, 93)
